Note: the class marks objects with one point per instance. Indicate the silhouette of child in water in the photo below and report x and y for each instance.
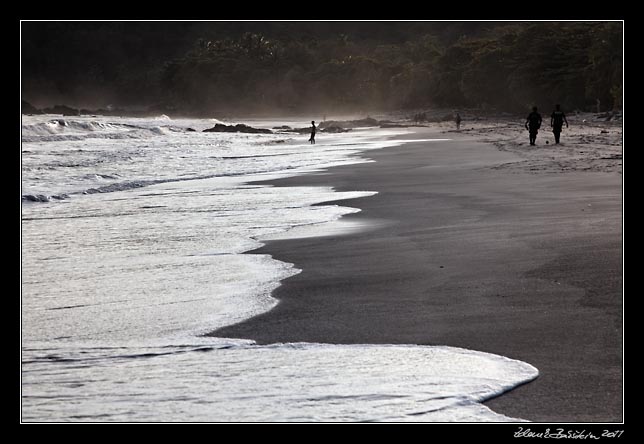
(312, 139)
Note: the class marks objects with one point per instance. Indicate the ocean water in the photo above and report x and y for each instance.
(137, 238)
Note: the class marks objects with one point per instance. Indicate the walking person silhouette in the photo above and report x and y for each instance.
(312, 139)
(557, 119)
(532, 124)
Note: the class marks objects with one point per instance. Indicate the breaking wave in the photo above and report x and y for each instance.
(67, 129)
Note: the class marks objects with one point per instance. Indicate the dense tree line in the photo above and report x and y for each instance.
(210, 67)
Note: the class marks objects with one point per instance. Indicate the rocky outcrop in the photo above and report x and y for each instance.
(349, 123)
(335, 129)
(239, 128)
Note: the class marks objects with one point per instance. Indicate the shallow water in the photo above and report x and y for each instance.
(135, 235)
(225, 382)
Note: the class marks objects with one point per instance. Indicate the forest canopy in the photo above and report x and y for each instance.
(201, 68)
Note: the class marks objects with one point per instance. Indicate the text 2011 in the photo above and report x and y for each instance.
(612, 434)
(567, 434)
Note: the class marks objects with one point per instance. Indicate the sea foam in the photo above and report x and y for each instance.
(119, 284)
(228, 381)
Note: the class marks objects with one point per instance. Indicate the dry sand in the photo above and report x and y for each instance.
(590, 143)
(482, 242)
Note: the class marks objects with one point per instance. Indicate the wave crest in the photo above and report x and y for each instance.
(70, 129)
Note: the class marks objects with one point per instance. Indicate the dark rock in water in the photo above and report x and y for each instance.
(35, 198)
(191, 130)
(239, 128)
(28, 108)
(350, 123)
(62, 109)
(305, 130)
(366, 122)
(283, 127)
(335, 129)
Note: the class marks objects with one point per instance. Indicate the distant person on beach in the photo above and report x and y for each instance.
(532, 124)
(457, 119)
(557, 119)
(312, 139)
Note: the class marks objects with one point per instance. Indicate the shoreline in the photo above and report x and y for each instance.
(525, 265)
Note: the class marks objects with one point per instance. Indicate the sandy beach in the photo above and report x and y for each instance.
(323, 221)
(481, 242)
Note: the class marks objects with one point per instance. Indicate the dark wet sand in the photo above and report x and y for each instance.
(522, 264)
